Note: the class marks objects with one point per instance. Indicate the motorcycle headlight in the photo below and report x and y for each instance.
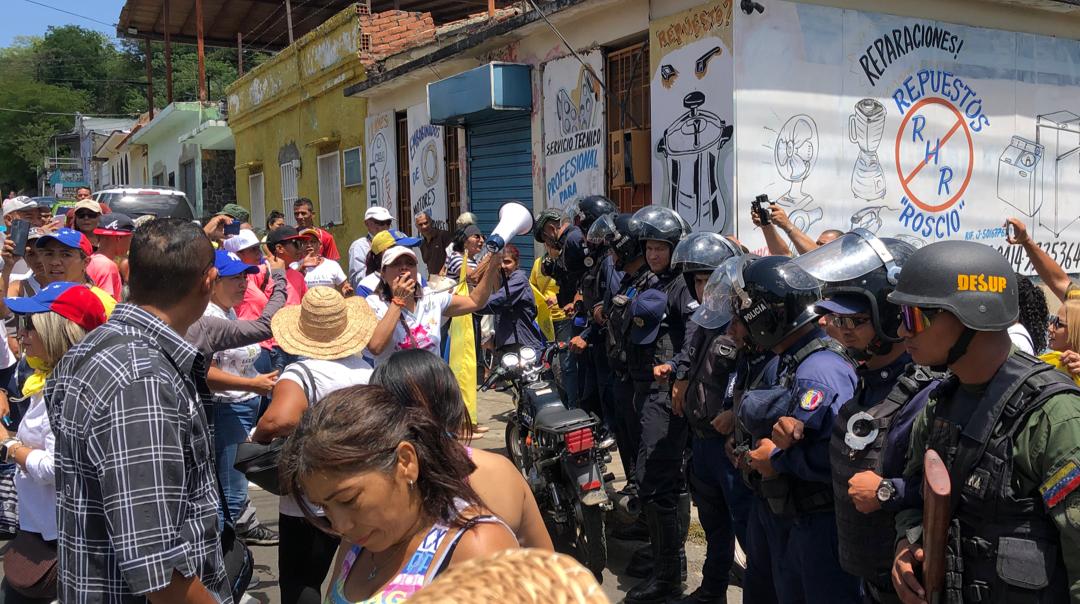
(510, 361)
(528, 355)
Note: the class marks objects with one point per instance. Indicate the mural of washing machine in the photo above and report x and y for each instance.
(1017, 184)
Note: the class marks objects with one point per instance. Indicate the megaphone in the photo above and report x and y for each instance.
(514, 219)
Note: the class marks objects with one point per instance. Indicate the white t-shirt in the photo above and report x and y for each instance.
(234, 361)
(327, 273)
(329, 376)
(424, 325)
(1021, 338)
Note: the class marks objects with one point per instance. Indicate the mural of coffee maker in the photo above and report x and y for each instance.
(694, 170)
(865, 128)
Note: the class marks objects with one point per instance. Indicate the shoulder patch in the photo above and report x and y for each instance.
(1062, 482)
(811, 399)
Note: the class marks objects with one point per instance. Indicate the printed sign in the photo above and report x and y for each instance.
(380, 137)
(573, 129)
(693, 115)
(910, 128)
(427, 166)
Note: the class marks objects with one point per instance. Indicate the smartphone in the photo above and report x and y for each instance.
(19, 231)
(761, 208)
(1010, 230)
(233, 228)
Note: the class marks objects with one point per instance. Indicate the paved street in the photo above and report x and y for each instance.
(492, 410)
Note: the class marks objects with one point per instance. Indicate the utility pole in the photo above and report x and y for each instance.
(239, 53)
(288, 19)
(201, 50)
(149, 77)
(168, 52)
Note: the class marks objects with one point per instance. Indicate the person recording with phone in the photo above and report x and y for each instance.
(771, 218)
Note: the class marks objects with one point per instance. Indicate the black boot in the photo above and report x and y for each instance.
(664, 583)
(638, 531)
(641, 562)
(683, 518)
(702, 595)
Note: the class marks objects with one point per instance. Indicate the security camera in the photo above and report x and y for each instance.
(749, 6)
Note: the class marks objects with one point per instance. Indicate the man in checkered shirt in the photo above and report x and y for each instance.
(137, 497)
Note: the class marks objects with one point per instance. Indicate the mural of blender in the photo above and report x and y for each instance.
(865, 128)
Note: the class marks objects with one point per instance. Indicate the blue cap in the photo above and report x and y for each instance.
(73, 301)
(844, 304)
(647, 312)
(68, 237)
(402, 239)
(229, 264)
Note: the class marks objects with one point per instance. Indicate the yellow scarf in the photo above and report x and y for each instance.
(36, 382)
(1053, 358)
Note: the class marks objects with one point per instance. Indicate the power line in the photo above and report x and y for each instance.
(71, 13)
(296, 25)
(13, 110)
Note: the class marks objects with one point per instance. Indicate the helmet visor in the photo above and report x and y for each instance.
(724, 294)
(602, 231)
(848, 257)
(572, 213)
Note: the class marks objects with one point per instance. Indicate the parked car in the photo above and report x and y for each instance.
(139, 201)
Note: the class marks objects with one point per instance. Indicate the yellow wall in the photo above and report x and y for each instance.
(297, 99)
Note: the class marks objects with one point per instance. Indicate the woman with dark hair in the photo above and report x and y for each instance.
(514, 305)
(1029, 332)
(418, 379)
(395, 487)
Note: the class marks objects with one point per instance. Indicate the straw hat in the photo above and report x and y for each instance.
(515, 576)
(324, 325)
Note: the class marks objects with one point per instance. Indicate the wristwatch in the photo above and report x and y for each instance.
(886, 490)
(7, 446)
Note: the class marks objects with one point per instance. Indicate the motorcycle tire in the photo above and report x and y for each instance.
(591, 546)
(515, 445)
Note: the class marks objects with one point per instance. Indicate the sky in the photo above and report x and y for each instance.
(33, 19)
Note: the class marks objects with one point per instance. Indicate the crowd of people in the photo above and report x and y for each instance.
(789, 395)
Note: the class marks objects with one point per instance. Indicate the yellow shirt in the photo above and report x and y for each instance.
(547, 287)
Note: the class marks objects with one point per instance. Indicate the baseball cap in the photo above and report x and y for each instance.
(229, 264)
(283, 233)
(311, 232)
(69, 237)
(241, 241)
(73, 301)
(16, 204)
(115, 225)
(389, 238)
(471, 230)
(843, 304)
(378, 214)
(648, 310)
(392, 254)
(87, 204)
(235, 211)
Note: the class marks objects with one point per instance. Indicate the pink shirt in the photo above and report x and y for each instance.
(106, 275)
(255, 298)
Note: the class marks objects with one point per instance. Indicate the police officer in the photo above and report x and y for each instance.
(703, 395)
(871, 434)
(792, 530)
(1007, 428)
(568, 242)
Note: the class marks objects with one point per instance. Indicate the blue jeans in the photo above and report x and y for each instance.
(232, 423)
(564, 330)
(279, 359)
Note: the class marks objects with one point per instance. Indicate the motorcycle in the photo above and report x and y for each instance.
(557, 450)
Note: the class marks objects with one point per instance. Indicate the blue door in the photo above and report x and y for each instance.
(500, 170)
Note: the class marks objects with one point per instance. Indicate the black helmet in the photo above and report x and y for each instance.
(619, 232)
(545, 218)
(701, 252)
(662, 224)
(583, 212)
(858, 271)
(778, 299)
(970, 280)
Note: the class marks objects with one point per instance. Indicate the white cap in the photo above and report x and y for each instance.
(392, 254)
(378, 214)
(241, 241)
(22, 202)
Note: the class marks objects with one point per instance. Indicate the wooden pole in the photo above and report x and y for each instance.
(239, 53)
(288, 19)
(491, 8)
(168, 52)
(201, 50)
(149, 78)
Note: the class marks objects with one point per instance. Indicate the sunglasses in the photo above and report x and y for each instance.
(85, 215)
(916, 320)
(25, 323)
(844, 322)
(1057, 323)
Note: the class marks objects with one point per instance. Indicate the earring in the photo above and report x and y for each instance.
(411, 484)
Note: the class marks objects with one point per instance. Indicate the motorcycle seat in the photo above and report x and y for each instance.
(556, 418)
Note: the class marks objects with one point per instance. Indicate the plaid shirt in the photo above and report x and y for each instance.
(136, 489)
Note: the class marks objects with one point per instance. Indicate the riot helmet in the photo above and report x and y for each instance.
(860, 267)
(621, 233)
(701, 252)
(545, 218)
(724, 292)
(662, 224)
(971, 280)
(584, 211)
(771, 296)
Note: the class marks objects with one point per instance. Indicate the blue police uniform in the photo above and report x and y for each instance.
(626, 418)
(594, 372)
(792, 532)
(570, 266)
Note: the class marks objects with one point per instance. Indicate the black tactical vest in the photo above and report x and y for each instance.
(711, 369)
(1008, 544)
(866, 540)
(619, 320)
(592, 291)
(642, 359)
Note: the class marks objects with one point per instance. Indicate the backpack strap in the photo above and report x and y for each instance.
(307, 381)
